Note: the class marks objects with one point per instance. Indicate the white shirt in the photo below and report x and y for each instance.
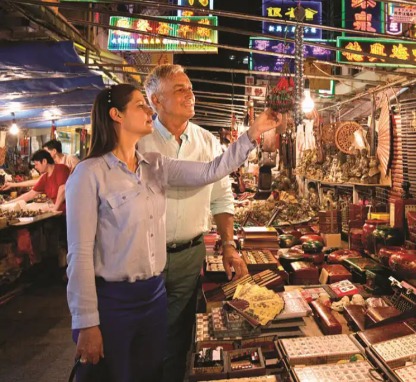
(188, 209)
(69, 160)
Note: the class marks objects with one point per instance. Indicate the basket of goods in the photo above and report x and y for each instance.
(281, 97)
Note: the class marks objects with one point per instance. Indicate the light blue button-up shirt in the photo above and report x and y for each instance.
(188, 209)
(117, 219)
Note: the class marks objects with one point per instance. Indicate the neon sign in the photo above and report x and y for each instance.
(166, 34)
(267, 63)
(363, 15)
(392, 27)
(285, 10)
(399, 50)
(196, 4)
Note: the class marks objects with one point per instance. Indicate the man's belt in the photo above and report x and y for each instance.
(178, 247)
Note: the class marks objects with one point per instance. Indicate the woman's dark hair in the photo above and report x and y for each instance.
(42, 154)
(103, 134)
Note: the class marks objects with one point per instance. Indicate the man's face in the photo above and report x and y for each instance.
(41, 167)
(176, 98)
(53, 152)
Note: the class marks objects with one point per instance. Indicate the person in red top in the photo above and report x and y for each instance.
(52, 180)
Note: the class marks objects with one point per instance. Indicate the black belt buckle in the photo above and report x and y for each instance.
(172, 248)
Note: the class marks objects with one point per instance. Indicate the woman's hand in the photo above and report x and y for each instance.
(265, 121)
(90, 345)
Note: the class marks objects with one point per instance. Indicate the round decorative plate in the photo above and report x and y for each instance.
(344, 136)
(328, 133)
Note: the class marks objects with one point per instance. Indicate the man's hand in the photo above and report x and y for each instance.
(90, 345)
(267, 120)
(231, 258)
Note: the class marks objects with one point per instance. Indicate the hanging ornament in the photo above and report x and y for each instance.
(299, 46)
(281, 97)
(53, 130)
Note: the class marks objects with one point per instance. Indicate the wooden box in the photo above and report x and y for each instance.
(246, 362)
(380, 313)
(358, 267)
(259, 260)
(207, 370)
(332, 239)
(330, 221)
(355, 317)
(332, 273)
(304, 273)
(325, 319)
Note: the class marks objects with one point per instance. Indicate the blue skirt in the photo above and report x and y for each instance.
(133, 323)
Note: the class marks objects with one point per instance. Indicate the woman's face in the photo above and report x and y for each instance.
(136, 119)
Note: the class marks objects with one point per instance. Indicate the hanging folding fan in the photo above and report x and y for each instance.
(385, 136)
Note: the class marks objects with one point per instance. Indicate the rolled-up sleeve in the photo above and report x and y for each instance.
(188, 173)
(222, 199)
(82, 212)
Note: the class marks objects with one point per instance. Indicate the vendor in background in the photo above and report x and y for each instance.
(54, 148)
(52, 181)
(116, 235)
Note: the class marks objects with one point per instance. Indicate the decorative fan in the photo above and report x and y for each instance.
(344, 136)
(385, 137)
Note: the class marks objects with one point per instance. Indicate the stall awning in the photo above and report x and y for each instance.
(34, 78)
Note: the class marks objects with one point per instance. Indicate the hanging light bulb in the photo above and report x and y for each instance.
(307, 103)
(14, 129)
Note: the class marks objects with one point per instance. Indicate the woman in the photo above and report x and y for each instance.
(116, 234)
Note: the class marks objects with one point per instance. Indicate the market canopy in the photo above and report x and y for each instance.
(34, 80)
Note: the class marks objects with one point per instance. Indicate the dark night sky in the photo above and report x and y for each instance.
(251, 7)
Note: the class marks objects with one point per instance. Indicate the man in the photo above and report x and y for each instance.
(52, 180)
(169, 91)
(54, 148)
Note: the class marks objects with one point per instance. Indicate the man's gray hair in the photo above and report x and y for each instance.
(152, 84)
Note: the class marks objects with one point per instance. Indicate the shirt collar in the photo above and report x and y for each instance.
(167, 135)
(112, 161)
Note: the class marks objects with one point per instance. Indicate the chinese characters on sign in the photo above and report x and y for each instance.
(404, 15)
(398, 50)
(267, 63)
(122, 41)
(392, 27)
(284, 10)
(197, 5)
(363, 15)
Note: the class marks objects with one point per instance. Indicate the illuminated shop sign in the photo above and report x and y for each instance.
(121, 41)
(392, 27)
(285, 10)
(399, 50)
(404, 15)
(197, 5)
(267, 63)
(363, 15)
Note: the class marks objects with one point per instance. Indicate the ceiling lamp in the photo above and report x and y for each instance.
(14, 129)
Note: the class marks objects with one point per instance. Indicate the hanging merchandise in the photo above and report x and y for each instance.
(53, 130)
(281, 97)
(299, 64)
